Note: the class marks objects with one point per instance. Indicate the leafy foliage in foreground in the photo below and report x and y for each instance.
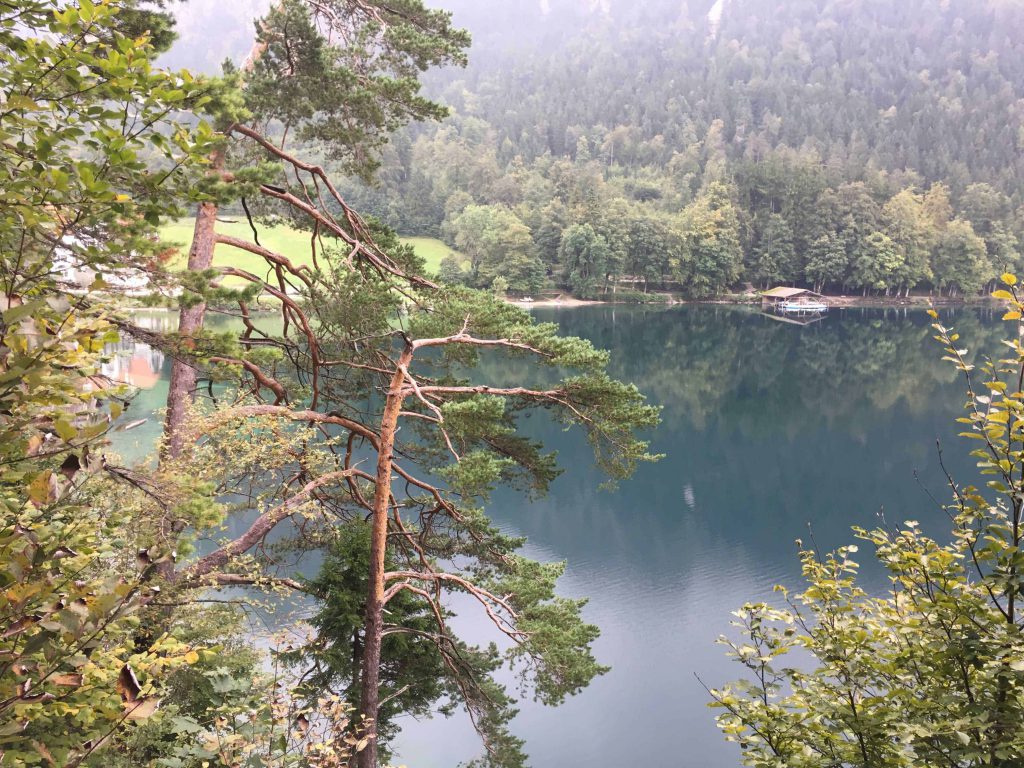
(931, 673)
(94, 668)
(83, 118)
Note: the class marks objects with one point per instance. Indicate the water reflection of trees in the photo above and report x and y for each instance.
(767, 427)
(742, 369)
(134, 362)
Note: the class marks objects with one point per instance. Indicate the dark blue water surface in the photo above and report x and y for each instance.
(767, 427)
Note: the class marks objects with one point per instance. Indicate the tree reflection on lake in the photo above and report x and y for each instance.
(768, 427)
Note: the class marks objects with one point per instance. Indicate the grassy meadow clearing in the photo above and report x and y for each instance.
(282, 239)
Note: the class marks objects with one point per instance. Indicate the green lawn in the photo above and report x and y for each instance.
(431, 251)
(281, 239)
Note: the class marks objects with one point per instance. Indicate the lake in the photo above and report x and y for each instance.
(768, 428)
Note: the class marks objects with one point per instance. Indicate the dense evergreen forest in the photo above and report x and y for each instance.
(847, 146)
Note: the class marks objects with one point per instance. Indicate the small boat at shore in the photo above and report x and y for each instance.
(796, 301)
(801, 307)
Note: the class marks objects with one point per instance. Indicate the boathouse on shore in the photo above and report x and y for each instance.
(770, 299)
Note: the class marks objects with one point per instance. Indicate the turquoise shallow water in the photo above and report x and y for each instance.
(768, 427)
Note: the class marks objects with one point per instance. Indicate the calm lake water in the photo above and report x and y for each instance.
(767, 427)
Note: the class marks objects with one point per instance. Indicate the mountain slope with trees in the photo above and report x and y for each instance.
(865, 147)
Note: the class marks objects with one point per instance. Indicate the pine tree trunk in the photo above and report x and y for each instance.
(369, 699)
(190, 319)
(190, 322)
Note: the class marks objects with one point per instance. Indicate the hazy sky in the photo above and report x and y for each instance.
(211, 30)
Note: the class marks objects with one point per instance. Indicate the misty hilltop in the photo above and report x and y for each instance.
(931, 85)
(936, 86)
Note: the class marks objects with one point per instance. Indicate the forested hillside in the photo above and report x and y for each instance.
(869, 146)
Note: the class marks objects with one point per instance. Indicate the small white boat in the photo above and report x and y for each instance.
(790, 300)
(802, 306)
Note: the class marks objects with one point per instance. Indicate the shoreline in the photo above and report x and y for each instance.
(569, 302)
(834, 302)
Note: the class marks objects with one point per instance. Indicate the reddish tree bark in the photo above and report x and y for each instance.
(190, 322)
(369, 700)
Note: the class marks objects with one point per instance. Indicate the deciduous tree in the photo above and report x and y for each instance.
(89, 162)
(714, 255)
(584, 258)
(928, 672)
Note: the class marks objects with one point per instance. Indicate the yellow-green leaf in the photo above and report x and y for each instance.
(65, 430)
(39, 489)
